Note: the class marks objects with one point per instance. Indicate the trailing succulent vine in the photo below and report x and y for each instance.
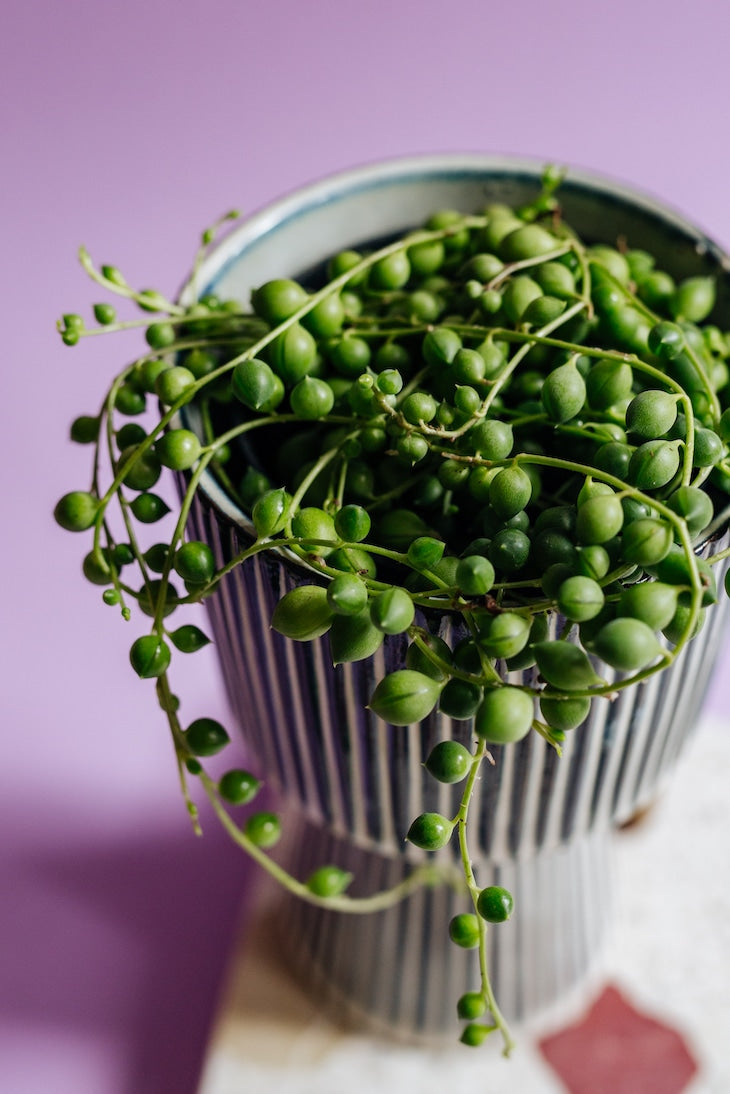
(488, 417)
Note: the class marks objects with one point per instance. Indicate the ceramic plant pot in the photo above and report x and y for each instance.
(350, 784)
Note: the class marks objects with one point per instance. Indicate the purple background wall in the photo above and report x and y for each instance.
(129, 127)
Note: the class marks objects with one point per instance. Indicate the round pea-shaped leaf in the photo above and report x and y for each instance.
(316, 526)
(529, 241)
(404, 697)
(425, 552)
(464, 930)
(449, 762)
(270, 511)
(475, 575)
(312, 398)
(352, 560)
(565, 714)
(263, 829)
(675, 570)
(580, 598)
(419, 406)
(525, 659)
(564, 393)
(505, 715)
(471, 1004)
(76, 511)
(666, 340)
(610, 259)
(194, 561)
(149, 595)
(510, 491)
(495, 904)
(430, 831)
(504, 635)
(238, 786)
(440, 346)
(565, 666)
(646, 541)
(651, 413)
(178, 449)
(347, 594)
(325, 318)
(627, 644)
(352, 523)
(149, 656)
(144, 472)
(459, 698)
(613, 457)
(392, 611)
(694, 506)
(293, 354)
(543, 310)
(509, 550)
(608, 382)
(419, 659)
(518, 295)
(189, 638)
(599, 519)
(303, 613)
(276, 300)
(709, 448)
(353, 637)
(256, 385)
(205, 737)
(173, 383)
(593, 561)
(676, 630)
(693, 299)
(351, 356)
(84, 429)
(149, 508)
(654, 464)
(96, 568)
(653, 602)
(491, 439)
(391, 272)
(328, 881)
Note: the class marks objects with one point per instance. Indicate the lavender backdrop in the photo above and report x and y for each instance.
(129, 127)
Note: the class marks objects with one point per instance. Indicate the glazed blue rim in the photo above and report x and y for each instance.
(333, 188)
(261, 226)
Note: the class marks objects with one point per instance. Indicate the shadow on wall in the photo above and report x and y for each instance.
(125, 942)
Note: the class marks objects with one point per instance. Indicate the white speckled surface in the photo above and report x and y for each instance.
(669, 953)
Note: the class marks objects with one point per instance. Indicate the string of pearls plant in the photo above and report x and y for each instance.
(487, 417)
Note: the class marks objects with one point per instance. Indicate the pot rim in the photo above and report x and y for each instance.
(404, 169)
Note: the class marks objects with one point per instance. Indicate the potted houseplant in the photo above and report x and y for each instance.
(450, 442)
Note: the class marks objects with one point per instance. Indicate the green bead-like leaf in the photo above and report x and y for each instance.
(354, 637)
(206, 737)
(270, 510)
(303, 613)
(430, 831)
(328, 881)
(189, 638)
(149, 656)
(405, 696)
(565, 666)
(425, 551)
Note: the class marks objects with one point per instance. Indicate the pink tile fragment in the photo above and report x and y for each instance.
(615, 1049)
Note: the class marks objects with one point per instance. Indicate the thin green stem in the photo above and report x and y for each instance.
(471, 882)
(387, 898)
